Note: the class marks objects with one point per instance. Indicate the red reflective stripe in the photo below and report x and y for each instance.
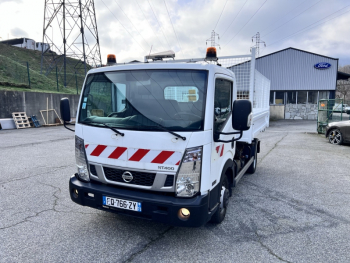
(222, 150)
(177, 163)
(117, 152)
(162, 157)
(138, 155)
(98, 150)
(217, 149)
(86, 146)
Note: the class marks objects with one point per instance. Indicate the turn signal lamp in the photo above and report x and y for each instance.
(211, 54)
(111, 59)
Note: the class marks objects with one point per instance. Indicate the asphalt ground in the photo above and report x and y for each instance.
(295, 208)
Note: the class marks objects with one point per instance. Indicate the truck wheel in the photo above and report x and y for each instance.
(252, 167)
(220, 213)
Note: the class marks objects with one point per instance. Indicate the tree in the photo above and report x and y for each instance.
(343, 86)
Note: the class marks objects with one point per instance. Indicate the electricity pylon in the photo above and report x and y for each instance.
(76, 47)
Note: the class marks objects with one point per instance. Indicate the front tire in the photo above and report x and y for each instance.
(220, 213)
(335, 137)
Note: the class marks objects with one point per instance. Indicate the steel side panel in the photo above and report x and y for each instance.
(260, 122)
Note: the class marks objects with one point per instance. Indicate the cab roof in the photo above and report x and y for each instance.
(165, 65)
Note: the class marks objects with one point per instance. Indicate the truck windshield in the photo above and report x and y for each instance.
(145, 99)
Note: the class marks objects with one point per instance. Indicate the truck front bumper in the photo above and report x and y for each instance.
(155, 207)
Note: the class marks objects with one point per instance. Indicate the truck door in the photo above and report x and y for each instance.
(222, 113)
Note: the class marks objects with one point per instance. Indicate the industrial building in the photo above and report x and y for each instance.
(26, 43)
(299, 79)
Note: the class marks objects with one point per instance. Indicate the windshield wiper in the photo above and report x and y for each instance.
(173, 133)
(113, 129)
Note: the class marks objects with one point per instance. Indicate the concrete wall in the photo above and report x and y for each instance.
(33, 102)
(276, 112)
(301, 111)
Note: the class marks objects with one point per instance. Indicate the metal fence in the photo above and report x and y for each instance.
(332, 110)
(20, 68)
(16, 72)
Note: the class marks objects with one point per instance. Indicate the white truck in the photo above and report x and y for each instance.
(164, 141)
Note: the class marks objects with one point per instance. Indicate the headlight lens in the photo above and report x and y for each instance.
(80, 159)
(188, 177)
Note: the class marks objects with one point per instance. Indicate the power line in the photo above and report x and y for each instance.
(131, 22)
(284, 15)
(309, 26)
(172, 25)
(234, 18)
(245, 23)
(159, 24)
(292, 18)
(220, 15)
(123, 26)
(149, 24)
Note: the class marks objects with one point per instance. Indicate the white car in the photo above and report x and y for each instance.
(346, 109)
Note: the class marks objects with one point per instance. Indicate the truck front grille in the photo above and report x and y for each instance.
(139, 178)
(169, 180)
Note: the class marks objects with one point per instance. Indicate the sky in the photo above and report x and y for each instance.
(134, 28)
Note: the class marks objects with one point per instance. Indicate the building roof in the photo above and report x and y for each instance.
(343, 76)
(15, 41)
(296, 50)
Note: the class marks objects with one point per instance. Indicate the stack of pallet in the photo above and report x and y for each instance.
(21, 120)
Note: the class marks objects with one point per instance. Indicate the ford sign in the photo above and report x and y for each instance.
(322, 65)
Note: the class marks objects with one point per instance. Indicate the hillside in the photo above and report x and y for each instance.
(14, 73)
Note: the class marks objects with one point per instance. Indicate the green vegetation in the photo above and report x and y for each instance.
(14, 72)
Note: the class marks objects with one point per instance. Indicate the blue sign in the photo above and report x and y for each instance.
(322, 65)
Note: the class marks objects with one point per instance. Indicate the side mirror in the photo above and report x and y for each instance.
(65, 110)
(241, 115)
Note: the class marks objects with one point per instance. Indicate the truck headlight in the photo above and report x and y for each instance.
(189, 175)
(80, 159)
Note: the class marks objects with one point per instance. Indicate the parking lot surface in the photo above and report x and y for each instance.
(295, 208)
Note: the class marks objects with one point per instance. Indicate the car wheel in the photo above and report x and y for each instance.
(335, 137)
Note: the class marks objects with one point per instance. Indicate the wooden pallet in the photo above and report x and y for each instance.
(21, 120)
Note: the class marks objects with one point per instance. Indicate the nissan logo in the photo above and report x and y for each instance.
(127, 177)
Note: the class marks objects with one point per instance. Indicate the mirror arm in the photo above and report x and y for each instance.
(234, 139)
(65, 123)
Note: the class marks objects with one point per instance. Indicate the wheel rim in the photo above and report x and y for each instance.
(335, 137)
(224, 198)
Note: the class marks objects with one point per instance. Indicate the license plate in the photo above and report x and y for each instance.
(122, 204)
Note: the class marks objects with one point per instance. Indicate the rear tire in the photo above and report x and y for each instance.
(254, 164)
(220, 213)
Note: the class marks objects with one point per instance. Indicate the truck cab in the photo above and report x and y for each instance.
(160, 141)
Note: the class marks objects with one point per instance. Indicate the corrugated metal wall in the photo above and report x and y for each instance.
(294, 70)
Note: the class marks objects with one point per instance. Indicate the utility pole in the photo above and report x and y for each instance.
(258, 41)
(212, 39)
(77, 49)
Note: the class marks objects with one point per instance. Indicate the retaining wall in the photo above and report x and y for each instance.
(301, 111)
(32, 102)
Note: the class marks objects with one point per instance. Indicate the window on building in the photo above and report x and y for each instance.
(279, 97)
(312, 97)
(272, 97)
(302, 97)
(324, 95)
(291, 97)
